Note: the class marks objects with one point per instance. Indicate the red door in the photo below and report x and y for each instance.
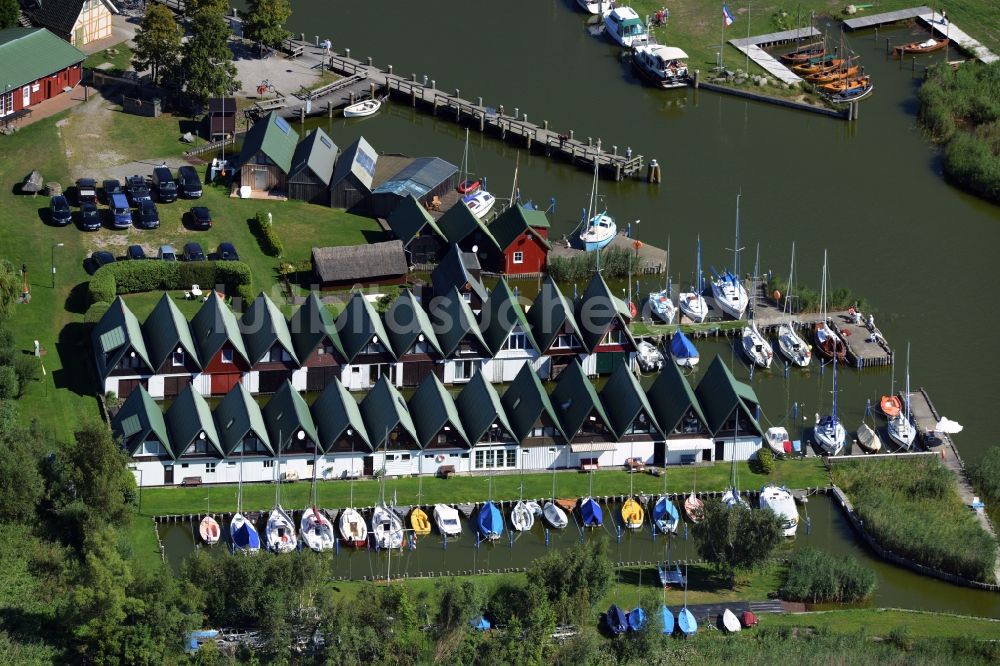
(224, 381)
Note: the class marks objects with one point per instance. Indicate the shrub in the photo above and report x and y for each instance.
(267, 237)
(615, 262)
(9, 387)
(764, 462)
(985, 474)
(244, 292)
(815, 576)
(95, 312)
(102, 287)
(129, 277)
(27, 368)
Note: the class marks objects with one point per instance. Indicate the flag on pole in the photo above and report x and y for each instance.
(727, 16)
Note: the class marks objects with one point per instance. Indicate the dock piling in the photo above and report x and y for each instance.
(390, 70)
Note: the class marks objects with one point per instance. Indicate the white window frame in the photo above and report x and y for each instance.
(519, 257)
(174, 356)
(227, 355)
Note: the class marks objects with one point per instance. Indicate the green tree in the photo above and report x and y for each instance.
(9, 11)
(21, 483)
(192, 7)
(208, 67)
(265, 21)
(736, 538)
(10, 287)
(460, 602)
(585, 569)
(99, 605)
(157, 42)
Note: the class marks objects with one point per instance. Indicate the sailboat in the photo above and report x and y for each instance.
(632, 511)
(552, 512)
(732, 495)
(755, 345)
(868, 437)
(830, 346)
(521, 518)
(694, 507)
(446, 519)
(901, 429)
(208, 528)
(418, 517)
(692, 303)
(666, 619)
(727, 288)
(637, 619)
(790, 343)
(350, 524)
(387, 526)
(479, 201)
(685, 618)
(599, 228)
(665, 515)
(730, 622)
(891, 404)
(315, 528)
(829, 431)
(661, 302)
(617, 622)
(590, 510)
(242, 534)
(279, 533)
(490, 520)
(683, 351)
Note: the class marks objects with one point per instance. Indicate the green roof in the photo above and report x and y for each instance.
(480, 408)
(453, 321)
(262, 325)
(720, 394)
(141, 415)
(525, 400)
(574, 399)
(334, 411)
(213, 325)
(406, 321)
(624, 399)
(310, 325)
(166, 329)
(273, 136)
(115, 334)
(29, 54)
(459, 223)
(500, 313)
(237, 415)
(188, 416)
(671, 396)
(357, 324)
(409, 220)
(383, 409)
(285, 414)
(549, 312)
(597, 310)
(317, 152)
(432, 409)
(510, 224)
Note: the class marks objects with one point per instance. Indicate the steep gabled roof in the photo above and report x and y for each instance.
(574, 399)
(188, 417)
(285, 414)
(383, 409)
(720, 394)
(500, 313)
(29, 54)
(273, 136)
(549, 312)
(166, 329)
(480, 407)
(597, 309)
(358, 159)
(262, 325)
(432, 408)
(334, 412)
(516, 220)
(213, 325)
(624, 399)
(405, 321)
(357, 324)
(237, 415)
(458, 223)
(317, 152)
(671, 396)
(113, 336)
(453, 271)
(453, 320)
(139, 416)
(410, 219)
(310, 324)
(525, 400)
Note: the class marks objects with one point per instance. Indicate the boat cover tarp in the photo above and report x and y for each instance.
(664, 509)
(591, 513)
(489, 520)
(246, 536)
(686, 622)
(617, 622)
(667, 618)
(682, 347)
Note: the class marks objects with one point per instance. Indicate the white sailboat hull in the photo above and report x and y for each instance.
(387, 528)
(730, 622)
(316, 530)
(831, 439)
(902, 431)
(663, 306)
(869, 439)
(280, 532)
(693, 306)
(352, 528)
(521, 518)
(731, 300)
(554, 515)
(757, 347)
(793, 347)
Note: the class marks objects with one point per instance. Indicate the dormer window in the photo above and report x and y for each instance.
(516, 340)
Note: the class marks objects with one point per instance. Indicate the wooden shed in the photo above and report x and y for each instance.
(221, 117)
(351, 184)
(266, 157)
(312, 168)
(425, 178)
(376, 263)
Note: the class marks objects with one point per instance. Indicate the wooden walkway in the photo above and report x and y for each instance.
(752, 47)
(873, 20)
(952, 32)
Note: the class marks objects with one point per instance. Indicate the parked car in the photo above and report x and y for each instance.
(135, 252)
(201, 218)
(188, 182)
(193, 252)
(137, 189)
(59, 210)
(148, 216)
(86, 191)
(166, 253)
(164, 183)
(227, 252)
(121, 214)
(90, 217)
(102, 258)
(111, 186)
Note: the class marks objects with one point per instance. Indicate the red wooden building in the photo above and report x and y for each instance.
(35, 65)
(221, 350)
(522, 233)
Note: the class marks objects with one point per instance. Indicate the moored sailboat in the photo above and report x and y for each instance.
(692, 303)
(901, 429)
(683, 351)
(790, 343)
(279, 533)
(243, 535)
(727, 288)
(521, 518)
(829, 431)
(828, 343)
(599, 229)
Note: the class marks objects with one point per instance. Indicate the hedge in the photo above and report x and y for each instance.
(130, 277)
(267, 237)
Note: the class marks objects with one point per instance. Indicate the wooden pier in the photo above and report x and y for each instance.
(753, 47)
(934, 22)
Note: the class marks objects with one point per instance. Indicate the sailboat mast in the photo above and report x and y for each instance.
(667, 286)
(513, 188)
(736, 247)
(788, 287)
(907, 402)
(277, 474)
(701, 285)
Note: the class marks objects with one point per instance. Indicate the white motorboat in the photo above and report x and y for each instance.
(554, 515)
(730, 622)
(352, 528)
(316, 530)
(901, 428)
(778, 441)
(756, 346)
(623, 25)
(368, 107)
(280, 532)
(868, 439)
(793, 347)
(521, 518)
(595, 7)
(649, 357)
(780, 501)
(446, 519)
(663, 66)
(662, 305)
(480, 202)
(387, 528)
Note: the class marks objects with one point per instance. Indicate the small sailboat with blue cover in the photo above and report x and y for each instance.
(683, 351)
(617, 621)
(490, 521)
(242, 534)
(667, 620)
(685, 618)
(829, 431)
(637, 619)
(591, 513)
(665, 515)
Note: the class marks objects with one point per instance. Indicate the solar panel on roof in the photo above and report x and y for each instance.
(113, 339)
(366, 162)
(326, 142)
(131, 425)
(282, 124)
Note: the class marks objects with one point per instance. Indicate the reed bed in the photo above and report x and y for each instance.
(815, 576)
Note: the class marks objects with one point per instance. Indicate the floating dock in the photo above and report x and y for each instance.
(753, 47)
(873, 20)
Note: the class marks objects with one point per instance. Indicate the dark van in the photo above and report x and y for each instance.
(164, 183)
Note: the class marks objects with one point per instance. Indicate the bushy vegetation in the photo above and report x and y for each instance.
(736, 538)
(961, 109)
(816, 576)
(808, 300)
(985, 475)
(130, 277)
(266, 236)
(912, 508)
(616, 263)
(763, 463)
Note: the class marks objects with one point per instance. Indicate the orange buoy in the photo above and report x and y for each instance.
(776, 295)
(637, 244)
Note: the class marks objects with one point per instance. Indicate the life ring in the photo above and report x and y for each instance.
(439, 458)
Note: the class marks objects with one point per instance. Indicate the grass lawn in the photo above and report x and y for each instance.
(642, 328)
(166, 501)
(120, 61)
(882, 621)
